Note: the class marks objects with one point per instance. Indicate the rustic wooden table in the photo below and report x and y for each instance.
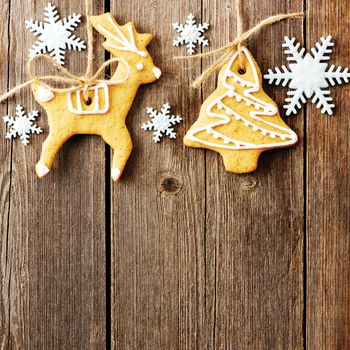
(179, 254)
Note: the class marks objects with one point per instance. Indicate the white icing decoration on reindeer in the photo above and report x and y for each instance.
(262, 108)
(97, 108)
(45, 94)
(124, 43)
(139, 66)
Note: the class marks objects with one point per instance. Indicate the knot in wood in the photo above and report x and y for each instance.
(249, 183)
(170, 185)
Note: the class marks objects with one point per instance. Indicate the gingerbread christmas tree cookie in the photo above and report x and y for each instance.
(239, 120)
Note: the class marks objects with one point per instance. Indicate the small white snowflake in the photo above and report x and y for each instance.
(161, 122)
(22, 125)
(55, 35)
(309, 75)
(190, 34)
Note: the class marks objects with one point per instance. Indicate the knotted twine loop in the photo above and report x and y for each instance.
(66, 77)
(230, 49)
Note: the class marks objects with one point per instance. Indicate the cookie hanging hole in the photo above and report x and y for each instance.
(242, 71)
(88, 101)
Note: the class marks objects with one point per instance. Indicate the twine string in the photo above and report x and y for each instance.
(229, 50)
(239, 20)
(90, 44)
(64, 76)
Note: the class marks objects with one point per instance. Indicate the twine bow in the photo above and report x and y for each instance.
(65, 76)
(230, 49)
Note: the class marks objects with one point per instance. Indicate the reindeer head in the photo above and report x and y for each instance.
(125, 42)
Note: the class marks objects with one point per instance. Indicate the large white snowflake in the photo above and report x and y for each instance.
(161, 122)
(55, 35)
(190, 34)
(309, 75)
(22, 125)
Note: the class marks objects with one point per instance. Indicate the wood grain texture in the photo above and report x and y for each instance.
(5, 184)
(254, 222)
(179, 254)
(53, 288)
(157, 208)
(328, 197)
(238, 290)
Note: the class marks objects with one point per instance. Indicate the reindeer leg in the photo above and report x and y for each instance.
(49, 150)
(122, 147)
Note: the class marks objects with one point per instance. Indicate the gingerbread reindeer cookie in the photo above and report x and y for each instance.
(105, 110)
(238, 120)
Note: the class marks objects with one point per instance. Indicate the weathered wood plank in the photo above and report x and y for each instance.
(328, 200)
(199, 258)
(55, 261)
(158, 207)
(5, 183)
(254, 224)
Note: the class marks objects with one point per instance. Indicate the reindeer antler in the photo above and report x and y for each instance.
(125, 44)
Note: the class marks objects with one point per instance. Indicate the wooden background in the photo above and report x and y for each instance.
(179, 254)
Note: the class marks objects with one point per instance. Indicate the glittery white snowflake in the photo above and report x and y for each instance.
(161, 122)
(190, 34)
(309, 76)
(22, 125)
(55, 35)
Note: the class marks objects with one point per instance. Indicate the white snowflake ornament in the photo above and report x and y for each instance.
(190, 34)
(161, 122)
(22, 125)
(55, 35)
(309, 75)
